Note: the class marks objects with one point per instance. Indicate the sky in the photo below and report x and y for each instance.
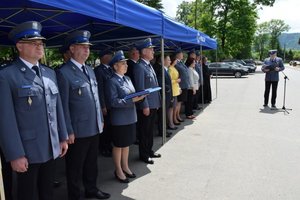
(286, 10)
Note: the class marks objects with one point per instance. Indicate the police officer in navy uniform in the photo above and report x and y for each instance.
(272, 66)
(145, 77)
(104, 72)
(168, 94)
(33, 132)
(123, 116)
(84, 120)
(134, 56)
(6, 168)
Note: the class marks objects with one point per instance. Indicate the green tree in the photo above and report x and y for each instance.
(7, 54)
(289, 56)
(157, 4)
(261, 40)
(264, 2)
(232, 22)
(276, 27)
(183, 13)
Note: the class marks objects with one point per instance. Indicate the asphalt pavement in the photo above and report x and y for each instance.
(234, 150)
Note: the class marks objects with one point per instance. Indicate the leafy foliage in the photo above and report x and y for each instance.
(232, 22)
(267, 37)
(276, 27)
(157, 4)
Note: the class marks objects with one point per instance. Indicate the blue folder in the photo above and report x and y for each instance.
(143, 92)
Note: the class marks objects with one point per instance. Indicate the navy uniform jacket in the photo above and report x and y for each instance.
(131, 65)
(198, 69)
(122, 112)
(168, 83)
(80, 100)
(183, 75)
(145, 77)
(102, 75)
(32, 123)
(273, 75)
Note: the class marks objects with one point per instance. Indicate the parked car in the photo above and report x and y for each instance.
(258, 62)
(249, 68)
(294, 63)
(249, 61)
(225, 69)
(253, 66)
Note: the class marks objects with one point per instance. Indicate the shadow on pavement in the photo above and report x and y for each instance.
(106, 179)
(268, 110)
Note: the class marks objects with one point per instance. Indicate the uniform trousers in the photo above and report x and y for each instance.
(36, 183)
(105, 137)
(7, 177)
(81, 164)
(267, 91)
(146, 129)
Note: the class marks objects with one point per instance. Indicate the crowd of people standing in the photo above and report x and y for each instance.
(77, 111)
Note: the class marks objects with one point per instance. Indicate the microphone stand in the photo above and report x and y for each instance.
(283, 107)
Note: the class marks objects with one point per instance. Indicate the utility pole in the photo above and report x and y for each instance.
(284, 52)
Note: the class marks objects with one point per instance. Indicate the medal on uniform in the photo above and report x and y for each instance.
(29, 100)
(79, 91)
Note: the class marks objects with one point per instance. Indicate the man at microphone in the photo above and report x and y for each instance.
(271, 67)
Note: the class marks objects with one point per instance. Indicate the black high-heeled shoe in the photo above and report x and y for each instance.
(172, 128)
(176, 123)
(129, 175)
(180, 120)
(126, 180)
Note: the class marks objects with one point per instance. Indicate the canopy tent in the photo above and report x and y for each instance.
(113, 23)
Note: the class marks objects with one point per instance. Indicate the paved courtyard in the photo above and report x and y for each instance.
(234, 150)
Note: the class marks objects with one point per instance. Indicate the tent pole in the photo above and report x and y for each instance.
(2, 197)
(217, 74)
(164, 128)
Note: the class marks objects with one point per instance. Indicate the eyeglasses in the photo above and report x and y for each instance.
(35, 44)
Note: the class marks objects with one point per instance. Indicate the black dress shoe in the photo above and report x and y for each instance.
(126, 180)
(180, 120)
(129, 175)
(97, 195)
(168, 134)
(197, 108)
(155, 155)
(148, 161)
(171, 128)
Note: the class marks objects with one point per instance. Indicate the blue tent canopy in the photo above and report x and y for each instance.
(113, 23)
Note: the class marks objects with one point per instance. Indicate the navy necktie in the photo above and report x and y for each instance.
(84, 71)
(36, 69)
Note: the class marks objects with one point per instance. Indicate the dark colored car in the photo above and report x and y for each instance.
(225, 69)
(253, 66)
(248, 68)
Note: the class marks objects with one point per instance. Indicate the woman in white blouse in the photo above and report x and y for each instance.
(194, 82)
